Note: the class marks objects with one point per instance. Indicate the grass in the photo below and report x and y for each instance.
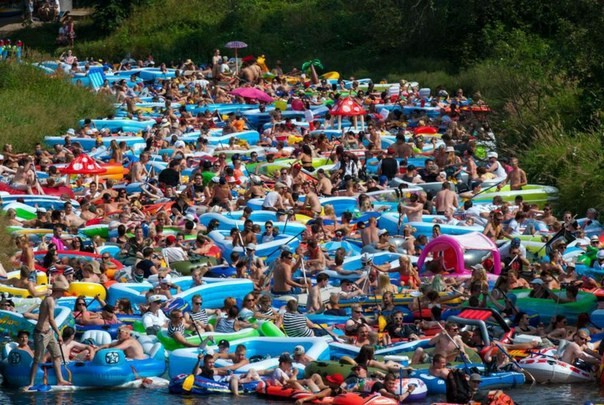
(33, 105)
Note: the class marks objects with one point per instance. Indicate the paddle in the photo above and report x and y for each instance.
(86, 304)
(461, 352)
(330, 333)
(504, 351)
(69, 377)
(486, 189)
(187, 384)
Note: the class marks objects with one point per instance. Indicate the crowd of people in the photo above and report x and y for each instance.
(221, 184)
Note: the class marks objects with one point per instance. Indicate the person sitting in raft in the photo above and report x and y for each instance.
(231, 323)
(74, 350)
(334, 387)
(355, 321)
(388, 388)
(438, 368)
(266, 311)
(85, 317)
(522, 322)
(366, 359)
(571, 294)
(538, 289)
(132, 348)
(23, 342)
(285, 375)
(447, 343)
(209, 371)
(397, 329)
(154, 319)
(578, 354)
(301, 357)
(333, 305)
(177, 327)
(24, 282)
(199, 315)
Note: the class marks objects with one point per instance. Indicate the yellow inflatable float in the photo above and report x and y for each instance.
(78, 288)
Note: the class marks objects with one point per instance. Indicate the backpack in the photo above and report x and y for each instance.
(458, 387)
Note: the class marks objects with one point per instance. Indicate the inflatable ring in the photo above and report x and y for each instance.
(78, 288)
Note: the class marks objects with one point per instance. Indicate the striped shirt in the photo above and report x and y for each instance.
(200, 316)
(172, 329)
(295, 325)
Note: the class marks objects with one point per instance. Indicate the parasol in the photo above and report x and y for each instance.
(83, 164)
(253, 94)
(236, 45)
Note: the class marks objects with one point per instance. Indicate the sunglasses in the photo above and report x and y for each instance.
(269, 227)
(249, 299)
(106, 257)
(398, 319)
(197, 303)
(582, 338)
(81, 303)
(358, 312)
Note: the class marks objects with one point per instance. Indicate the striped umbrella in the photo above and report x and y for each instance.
(236, 45)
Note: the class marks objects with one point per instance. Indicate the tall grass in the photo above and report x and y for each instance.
(33, 105)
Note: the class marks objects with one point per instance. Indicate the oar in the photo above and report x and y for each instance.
(86, 304)
(330, 333)
(69, 377)
(504, 351)
(486, 189)
(187, 384)
(461, 352)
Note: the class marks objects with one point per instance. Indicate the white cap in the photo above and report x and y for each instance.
(299, 349)
(179, 144)
(190, 217)
(156, 297)
(41, 209)
(450, 149)
(365, 258)
(70, 131)
(382, 232)
(492, 154)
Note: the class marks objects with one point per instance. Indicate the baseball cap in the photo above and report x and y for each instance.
(299, 349)
(171, 239)
(595, 238)
(382, 232)
(156, 298)
(492, 154)
(179, 144)
(475, 377)
(477, 267)
(224, 343)
(515, 242)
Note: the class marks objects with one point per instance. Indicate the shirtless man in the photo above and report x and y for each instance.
(25, 177)
(311, 204)
(72, 219)
(576, 349)
(447, 343)
(439, 366)
(516, 178)
(282, 275)
(131, 347)
(138, 171)
(315, 303)
(44, 334)
(413, 209)
(445, 198)
(324, 186)
(23, 342)
(369, 235)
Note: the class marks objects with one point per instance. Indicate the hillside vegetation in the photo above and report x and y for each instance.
(538, 64)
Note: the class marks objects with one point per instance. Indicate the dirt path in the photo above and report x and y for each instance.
(12, 24)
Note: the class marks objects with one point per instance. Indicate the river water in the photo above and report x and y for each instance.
(538, 394)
